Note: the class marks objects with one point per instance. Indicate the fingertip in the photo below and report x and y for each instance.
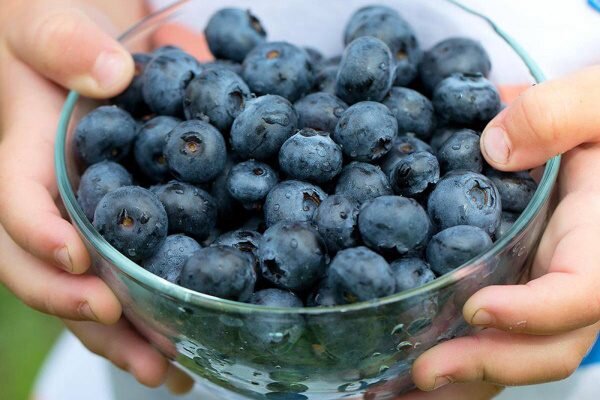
(103, 303)
(423, 372)
(178, 382)
(111, 74)
(149, 368)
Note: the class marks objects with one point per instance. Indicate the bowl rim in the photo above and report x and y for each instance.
(188, 296)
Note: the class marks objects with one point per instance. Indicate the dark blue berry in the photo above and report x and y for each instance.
(402, 146)
(216, 96)
(413, 111)
(366, 71)
(314, 56)
(366, 131)
(360, 182)
(465, 198)
(223, 64)
(336, 220)
(165, 79)
(321, 296)
(440, 136)
(232, 33)
(320, 111)
(454, 246)
(168, 261)
(220, 271)
(411, 273)
(106, 133)
(292, 256)
(262, 128)
(149, 145)
(292, 201)
(325, 79)
(96, 181)
(394, 222)
(359, 274)
(249, 182)
(133, 221)
(414, 174)
(516, 189)
(229, 210)
(195, 152)
(190, 209)
(243, 240)
(131, 99)
(468, 100)
(278, 68)
(461, 151)
(454, 55)
(508, 219)
(311, 155)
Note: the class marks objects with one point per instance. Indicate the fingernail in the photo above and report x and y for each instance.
(109, 69)
(482, 318)
(441, 381)
(86, 312)
(495, 145)
(63, 257)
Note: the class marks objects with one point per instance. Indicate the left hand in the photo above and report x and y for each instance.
(540, 331)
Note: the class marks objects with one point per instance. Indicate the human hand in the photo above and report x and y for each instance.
(540, 331)
(44, 46)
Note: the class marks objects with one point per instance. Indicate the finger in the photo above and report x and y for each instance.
(178, 382)
(502, 358)
(546, 120)
(66, 46)
(457, 391)
(53, 291)
(125, 348)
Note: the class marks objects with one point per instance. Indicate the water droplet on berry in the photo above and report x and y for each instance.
(456, 147)
(276, 207)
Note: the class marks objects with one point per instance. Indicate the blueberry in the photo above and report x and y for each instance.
(96, 181)
(311, 156)
(359, 274)
(402, 146)
(165, 79)
(223, 64)
(166, 49)
(465, 198)
(411, 273)
(394, 222)
(195, 152)
(220, 271)
(105, 134)
(216, 96)
(366, 71)
(278, 68)
(292, 256)
(320, 111)
(325, 79)
(454, 55)
(232, 33)
(461, 151)
(171, 256)
(386, 24)
(336, 220)
(469, 100)
(332, 61)
(321, 296)
(415, 174)
(243, 240)
(229, 210)
(131, 99)
(292, 201)
(360, 182)
(366, 131)
(454, 246)
(262, 128)
(133, 221)
(149, 147)
(413, 111)
(439, 137)
(314, 56)
(190, 209)
(508, 219)
(516, 189)
(249, 182)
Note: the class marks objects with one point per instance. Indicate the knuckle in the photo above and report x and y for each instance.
(534, 115)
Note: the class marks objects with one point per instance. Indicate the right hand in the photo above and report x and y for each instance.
(46, 46)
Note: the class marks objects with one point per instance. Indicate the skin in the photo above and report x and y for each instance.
(533, 334)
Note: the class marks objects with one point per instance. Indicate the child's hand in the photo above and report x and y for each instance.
(540, 331)
(45, 45)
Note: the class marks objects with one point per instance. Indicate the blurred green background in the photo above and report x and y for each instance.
(26, 337)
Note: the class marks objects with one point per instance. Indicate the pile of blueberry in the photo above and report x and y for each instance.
(278, 177)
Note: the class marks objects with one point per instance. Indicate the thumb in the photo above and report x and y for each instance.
(66, 46)
(547, 120)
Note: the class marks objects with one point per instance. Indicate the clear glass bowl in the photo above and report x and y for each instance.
(327, 353)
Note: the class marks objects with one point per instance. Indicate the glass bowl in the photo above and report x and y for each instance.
(367, 349)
